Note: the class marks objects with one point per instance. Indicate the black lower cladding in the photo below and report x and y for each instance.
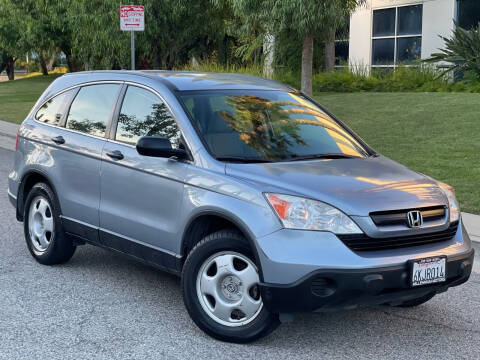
(155, 257)
(343, 289)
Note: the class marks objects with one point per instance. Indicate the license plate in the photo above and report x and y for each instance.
(428, 271)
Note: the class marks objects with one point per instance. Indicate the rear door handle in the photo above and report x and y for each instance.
(58, 140)
(115, 154)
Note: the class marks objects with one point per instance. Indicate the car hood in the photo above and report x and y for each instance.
(356, 186)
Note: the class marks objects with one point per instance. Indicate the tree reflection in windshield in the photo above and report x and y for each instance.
(267, 124)
(251, 120)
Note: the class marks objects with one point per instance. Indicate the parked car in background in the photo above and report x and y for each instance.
(255, 195)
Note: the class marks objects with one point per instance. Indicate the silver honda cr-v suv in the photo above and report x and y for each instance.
(255, 195)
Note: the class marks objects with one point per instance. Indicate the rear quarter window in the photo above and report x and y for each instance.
(51, 112)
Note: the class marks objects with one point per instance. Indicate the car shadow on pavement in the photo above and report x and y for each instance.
(381, 329)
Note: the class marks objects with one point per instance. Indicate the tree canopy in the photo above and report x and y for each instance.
(177, 32)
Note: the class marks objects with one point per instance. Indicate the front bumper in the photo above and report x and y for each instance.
(331, 289)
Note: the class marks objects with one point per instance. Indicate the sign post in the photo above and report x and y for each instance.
(132, 49)
(132, 19)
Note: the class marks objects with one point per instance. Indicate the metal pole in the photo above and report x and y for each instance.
(132, 44)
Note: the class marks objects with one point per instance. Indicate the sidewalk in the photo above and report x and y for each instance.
(8, 129)
(472, 224)
(8, 133)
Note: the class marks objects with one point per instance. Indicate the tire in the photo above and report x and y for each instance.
(222, 247)
(46, 239)
(416, 302)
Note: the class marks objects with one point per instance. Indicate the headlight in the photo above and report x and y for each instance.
(306, 214)
(452, 201)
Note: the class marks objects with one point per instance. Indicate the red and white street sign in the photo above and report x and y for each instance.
(132, 18)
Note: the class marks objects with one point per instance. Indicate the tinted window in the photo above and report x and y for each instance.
(272, 125)
(341, 52)
(410, 20)
(383, 51)
(91, 108)
(51, 112)
(468, 13)
(384, 22)
(144, 114)
(409, 49)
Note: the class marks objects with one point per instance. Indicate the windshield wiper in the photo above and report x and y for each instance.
(242, 159)
(323, 156)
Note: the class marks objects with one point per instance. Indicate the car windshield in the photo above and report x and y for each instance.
(264, 125)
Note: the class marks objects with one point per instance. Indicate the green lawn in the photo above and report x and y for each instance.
(435, 133)
(17, 97)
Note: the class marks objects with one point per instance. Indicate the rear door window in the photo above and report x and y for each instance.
(144, 114)
(91, 109)
(51, 112)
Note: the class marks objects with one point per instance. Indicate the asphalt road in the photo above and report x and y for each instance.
(102, 305)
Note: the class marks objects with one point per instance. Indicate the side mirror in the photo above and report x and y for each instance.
(158, 146)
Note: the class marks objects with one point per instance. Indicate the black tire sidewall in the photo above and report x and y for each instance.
(263, 324)
(60, 248)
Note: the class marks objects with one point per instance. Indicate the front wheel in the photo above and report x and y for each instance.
(220, 283)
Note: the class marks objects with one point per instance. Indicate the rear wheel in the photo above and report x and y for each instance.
(46, 239)
(220, 283)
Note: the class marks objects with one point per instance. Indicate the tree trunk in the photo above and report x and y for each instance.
(43, 64)
(69, 63)
(72, 64)
(10, 68)
(269, 51)
(329, 52)
(307, 63)
(51, 61)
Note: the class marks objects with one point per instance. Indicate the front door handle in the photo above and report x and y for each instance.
(115, 154)
(58, 140)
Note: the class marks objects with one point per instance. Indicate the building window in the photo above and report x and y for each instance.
(341, 52)
(468, 13)
(397, 35)
(342, 44)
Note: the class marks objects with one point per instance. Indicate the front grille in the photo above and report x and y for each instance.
(363, 242)
(396, 217)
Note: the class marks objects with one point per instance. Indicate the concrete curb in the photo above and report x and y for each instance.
(472, 224)
(9, 130)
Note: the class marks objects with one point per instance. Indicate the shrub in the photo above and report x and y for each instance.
(462, 51)
(420, 77)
